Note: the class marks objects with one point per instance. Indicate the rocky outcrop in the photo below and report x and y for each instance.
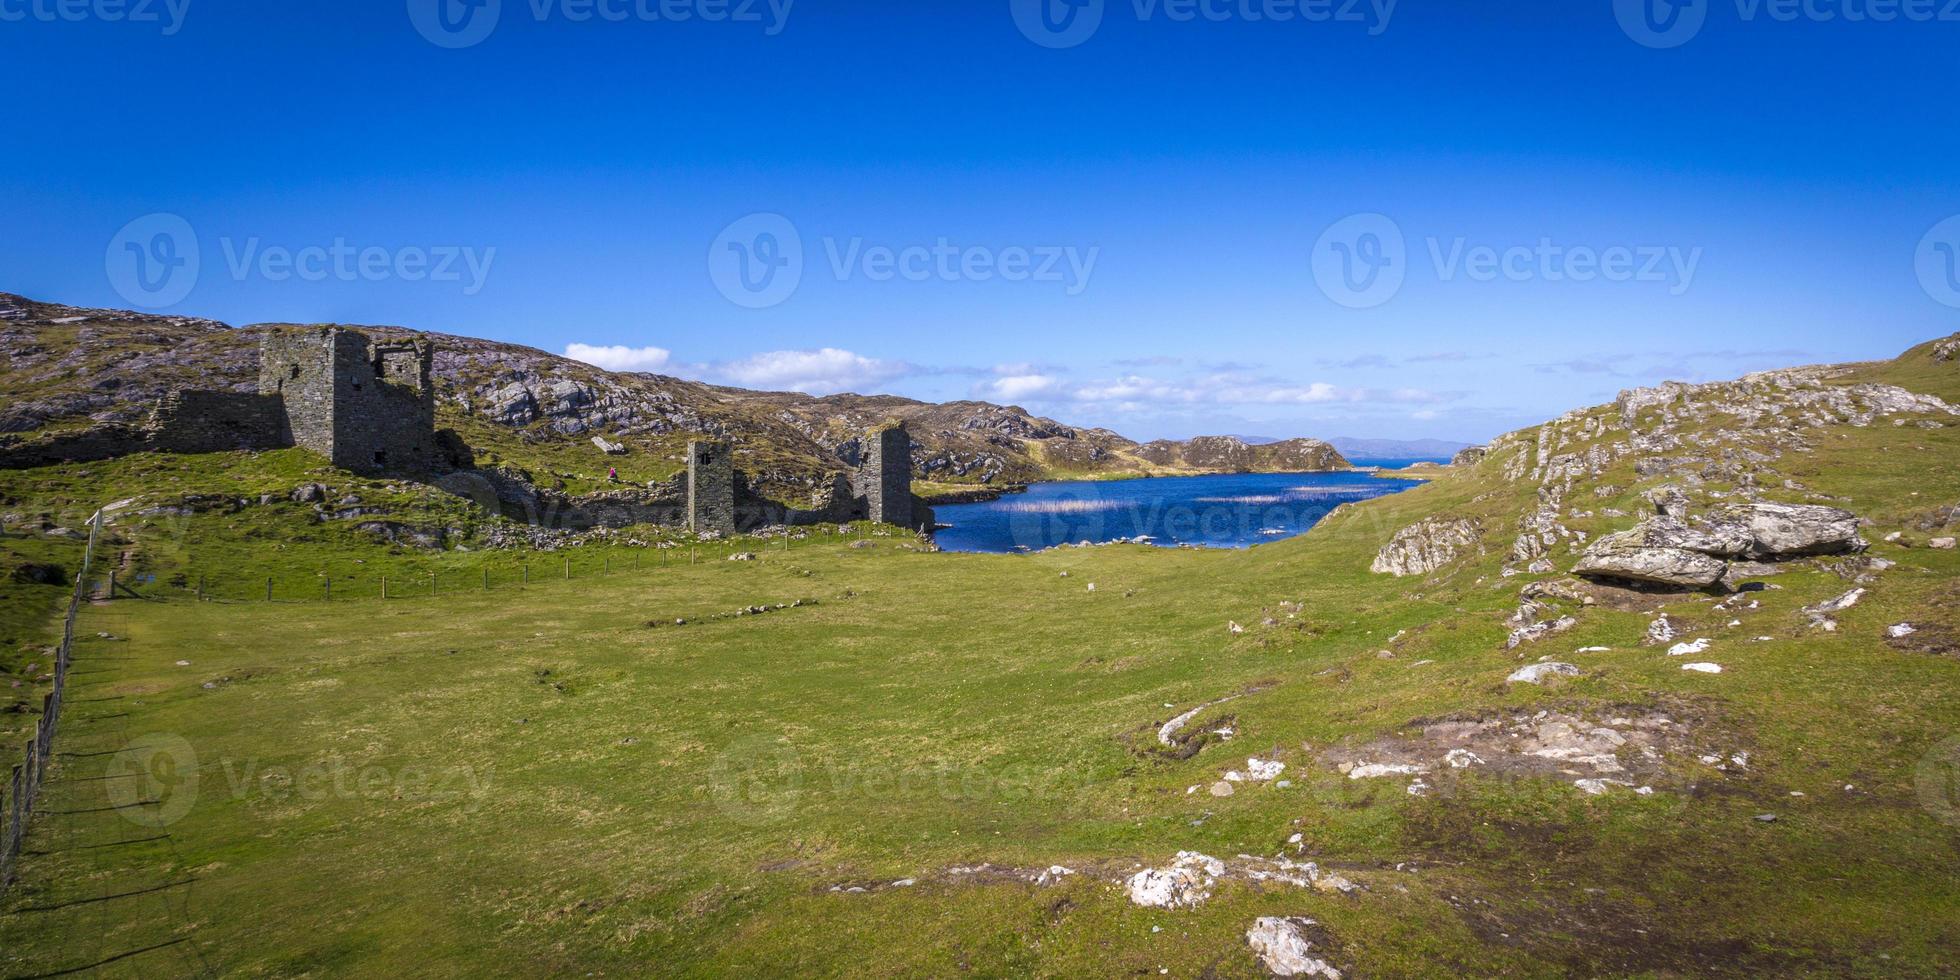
(1471, 456)
(1668, 549)
(1428, 545)
(1229, 454)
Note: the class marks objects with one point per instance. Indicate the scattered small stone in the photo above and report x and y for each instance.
(1703, 668)
(1900, 630)
(183, 663)
(1696, 646)
(1222, 788)
(1944, 544)
(1765, 818)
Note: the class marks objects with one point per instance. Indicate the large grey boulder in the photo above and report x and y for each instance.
(1430, 544)
(1626, 556)
(1670, 549)
(1795, 530)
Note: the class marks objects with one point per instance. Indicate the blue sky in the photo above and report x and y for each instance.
(1174, 227)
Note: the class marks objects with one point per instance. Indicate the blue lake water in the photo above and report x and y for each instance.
(1230, 511)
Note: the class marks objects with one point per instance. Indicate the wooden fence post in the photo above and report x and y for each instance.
(384, 586)
(328, 581)
(268, 589)
(486, 578)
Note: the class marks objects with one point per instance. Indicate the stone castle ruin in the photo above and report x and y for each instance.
(880, 489)
(369, 407)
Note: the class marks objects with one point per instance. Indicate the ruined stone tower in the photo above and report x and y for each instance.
(884, 480)
(368, 407)
(710, 487)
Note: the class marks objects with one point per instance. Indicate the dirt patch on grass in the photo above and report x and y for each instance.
(1187, 733)
(1592, 935)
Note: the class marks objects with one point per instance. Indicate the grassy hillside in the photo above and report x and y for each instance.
(561, 777)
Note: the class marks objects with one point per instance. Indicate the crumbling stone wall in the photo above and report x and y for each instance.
(216, 422)
(710, 487)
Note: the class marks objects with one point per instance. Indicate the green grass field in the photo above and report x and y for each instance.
(560, 778)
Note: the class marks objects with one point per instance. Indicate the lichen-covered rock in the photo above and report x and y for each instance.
(1668, 549)
(1187, 882)
(1538, 631)
(1286, 946)
(1792, 530)
(1626, 556)
(1539, 673)
(1430, 544)
(1471, 456)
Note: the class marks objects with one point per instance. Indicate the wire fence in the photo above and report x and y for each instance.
(25, 783)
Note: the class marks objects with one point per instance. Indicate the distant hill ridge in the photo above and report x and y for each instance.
(71, 368)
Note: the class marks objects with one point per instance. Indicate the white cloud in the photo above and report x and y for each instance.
(816, 372)
(620, 358)
(1018, 386)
